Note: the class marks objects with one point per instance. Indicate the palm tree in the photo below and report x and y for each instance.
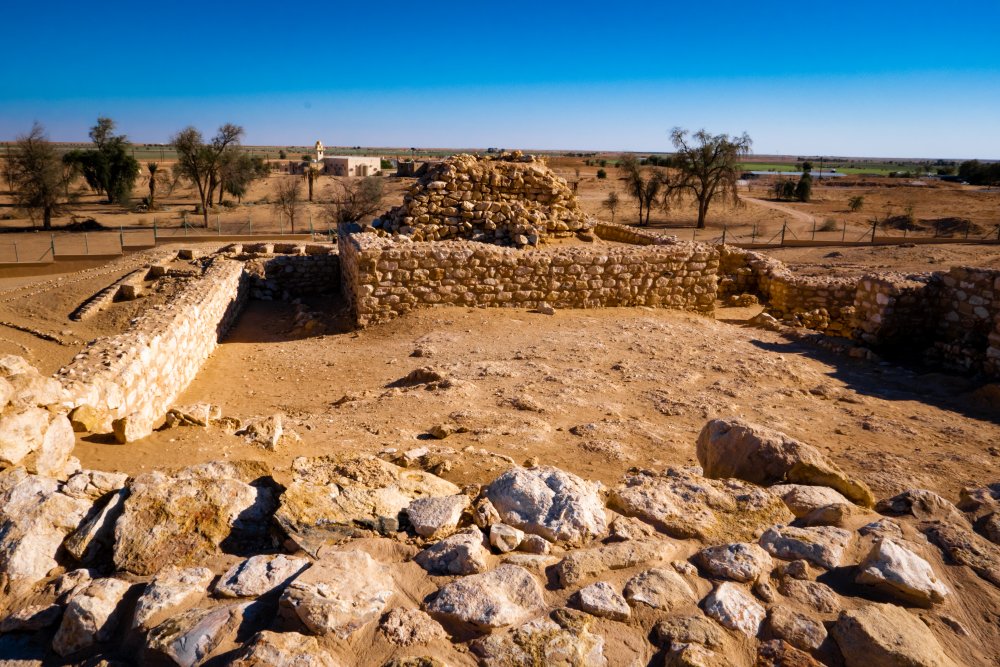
(312, 175)
(152, 167)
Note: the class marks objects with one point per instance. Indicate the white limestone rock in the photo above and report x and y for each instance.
(462, 553)
(896, 570)
(543, 641)
(601, 599)
(436, 516)
(503, 596)
(739, 561)
(823, 546)
(259, 575)
(735, 608)
(582, 564)
(505, 538)
(340, 594)
(172, 591)
(802, 500)
(36, 518)
(408, 627)
(91, 616)
(660, 588)
(549, 502)
(802, 632)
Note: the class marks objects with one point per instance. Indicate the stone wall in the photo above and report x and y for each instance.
(384, 277)
(315, 270)
(891, 309)
(129, 381)
(512, 199)
(968, 305)
(626, 234)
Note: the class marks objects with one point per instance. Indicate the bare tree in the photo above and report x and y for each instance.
(611, 203)
(643, 184)
(709, 166)
(200, 162)
(355, 200)
(288, 198)
(39, 182)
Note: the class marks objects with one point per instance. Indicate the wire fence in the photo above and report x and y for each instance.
(841, 235)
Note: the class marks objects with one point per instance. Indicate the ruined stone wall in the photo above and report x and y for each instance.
(625, 234)
(385, 277)
(512, 199)
(892, 309)
(968, 305)
(129, 381)
(817, 302)
(314, 270)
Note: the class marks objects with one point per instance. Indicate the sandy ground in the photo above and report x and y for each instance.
(594, 392)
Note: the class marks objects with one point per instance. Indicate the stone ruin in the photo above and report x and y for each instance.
(510, 199)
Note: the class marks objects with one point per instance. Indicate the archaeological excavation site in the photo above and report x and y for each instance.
(487, 428)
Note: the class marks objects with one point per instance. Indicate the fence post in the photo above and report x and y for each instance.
(843, 236)
(783, 225)
(16, 257)
(814, 229)
(753, 234)
(154, 230)
(874, 227)
(121, 238)
(52, 246)
(250, 223)
(724, 227)
(86, 244)
(218, 221)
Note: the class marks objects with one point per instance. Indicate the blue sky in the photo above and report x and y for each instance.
(907, 79)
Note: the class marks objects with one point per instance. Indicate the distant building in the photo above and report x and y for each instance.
(352, 165)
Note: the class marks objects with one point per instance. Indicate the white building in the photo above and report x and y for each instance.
(347, 165)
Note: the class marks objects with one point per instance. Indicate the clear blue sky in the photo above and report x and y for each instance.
(907, 79)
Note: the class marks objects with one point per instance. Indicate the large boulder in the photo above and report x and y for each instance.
(736, 448)
(884, 635)
(181, 518)
(339, 594)
(684, 504)
(35, 518)
(330, 500)
(549, 502)
(503, 596)
(896, 570)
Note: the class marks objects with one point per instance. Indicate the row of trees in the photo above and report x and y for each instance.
(40, 180)
(980, 173)
(704, 166)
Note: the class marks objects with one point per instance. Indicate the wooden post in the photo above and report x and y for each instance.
(52, 246)
(86, 244)
(843, 236)
(724, 227)
(783, 225)
(814, 228)
(16, 258)
(874, 227)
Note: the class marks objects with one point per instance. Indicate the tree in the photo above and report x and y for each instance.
(238, 171)
(355, 200)
(199, 162)
(288, 198)
(646, 185)
(709, 166)
(855, 203)
(312, 175)
(108, 168)
(602, 174)
(37, 175)
(803, 191)
(153, 168)
(611, 203)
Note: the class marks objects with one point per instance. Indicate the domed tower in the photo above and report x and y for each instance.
(319, 151)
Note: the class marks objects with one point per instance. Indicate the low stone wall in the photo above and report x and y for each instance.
(892, 309)
(129, 381)
(968, 305)
(384, 277)
(822, 303)
(287, 276)
(625, 234)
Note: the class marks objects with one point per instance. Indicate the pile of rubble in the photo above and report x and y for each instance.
(511, 199)
(768, 554)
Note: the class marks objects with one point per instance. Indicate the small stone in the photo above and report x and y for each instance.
(462, 553)
(901, 573)
(797, 569)
(503, 596)
(797, 629)
(734, 607)
(689, 630)
(441, 431)
(600, 599)
(802, 499)
(91, 616)
(172, 591)
(544, 308)
(813, 594)
(739, 561)
(824, 546)
(629, 528)
(259, 575)
(284, 649)
(659, 588)
(189, 637)
(505, 538)
(406, 627)
(534, 544)
(340, 593)
(436, 516)
(779, 653)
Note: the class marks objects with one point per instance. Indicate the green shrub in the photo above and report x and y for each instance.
(601, 173)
